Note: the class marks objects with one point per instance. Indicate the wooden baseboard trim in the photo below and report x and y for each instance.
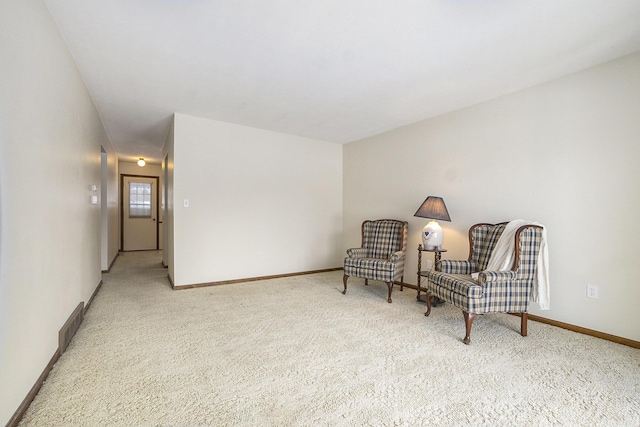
(17, 416)
(586, 331)
(250, 279)
(95, 292)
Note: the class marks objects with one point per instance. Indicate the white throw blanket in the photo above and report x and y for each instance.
(502, 258)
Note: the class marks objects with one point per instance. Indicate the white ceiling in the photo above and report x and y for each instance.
(335, 70)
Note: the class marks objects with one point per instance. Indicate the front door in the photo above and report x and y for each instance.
(139, 213)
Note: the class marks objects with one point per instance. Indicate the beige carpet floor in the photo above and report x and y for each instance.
(296, 352)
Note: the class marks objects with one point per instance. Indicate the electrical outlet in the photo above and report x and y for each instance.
(592, 291)
(260, 255)
(429, 264)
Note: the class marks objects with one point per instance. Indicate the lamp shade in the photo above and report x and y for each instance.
(434, 208)
(432, 235)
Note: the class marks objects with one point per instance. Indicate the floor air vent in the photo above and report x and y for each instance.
(70, 327)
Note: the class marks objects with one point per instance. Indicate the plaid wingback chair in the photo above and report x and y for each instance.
(492, 291)
(382, 255)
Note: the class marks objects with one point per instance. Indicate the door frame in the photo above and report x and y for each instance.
(122, 207)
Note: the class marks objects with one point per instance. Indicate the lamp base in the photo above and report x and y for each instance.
(432, 236)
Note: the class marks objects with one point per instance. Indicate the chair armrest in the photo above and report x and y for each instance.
(496, 276)
(397, 256)
(357, 253)
(456, 266)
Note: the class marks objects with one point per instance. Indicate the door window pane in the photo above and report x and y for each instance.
(139, 200)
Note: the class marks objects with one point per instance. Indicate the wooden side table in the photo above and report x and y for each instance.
(437, 253)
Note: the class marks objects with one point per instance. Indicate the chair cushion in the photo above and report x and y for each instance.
(369, 263)
(461, 284)
(463, 292)
(370, 268)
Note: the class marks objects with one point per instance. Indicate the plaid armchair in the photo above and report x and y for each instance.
(492, 291)
(382, 255)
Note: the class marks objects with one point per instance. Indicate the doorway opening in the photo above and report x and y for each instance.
(139, 212)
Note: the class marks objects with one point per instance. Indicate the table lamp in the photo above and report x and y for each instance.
(433, 208)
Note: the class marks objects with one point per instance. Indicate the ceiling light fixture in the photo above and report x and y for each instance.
(141, 162)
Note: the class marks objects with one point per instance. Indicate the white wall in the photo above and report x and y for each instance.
(50, 138)
(167, 173)
(132, 168)
(109, 215)
(261, 202)
(564, 153)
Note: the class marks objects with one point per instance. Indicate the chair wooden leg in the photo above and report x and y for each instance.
(366, 282)
(523, 324)
(390, 286)
(344, 281)
(428, 300)
(401, 283)
(468, 321)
